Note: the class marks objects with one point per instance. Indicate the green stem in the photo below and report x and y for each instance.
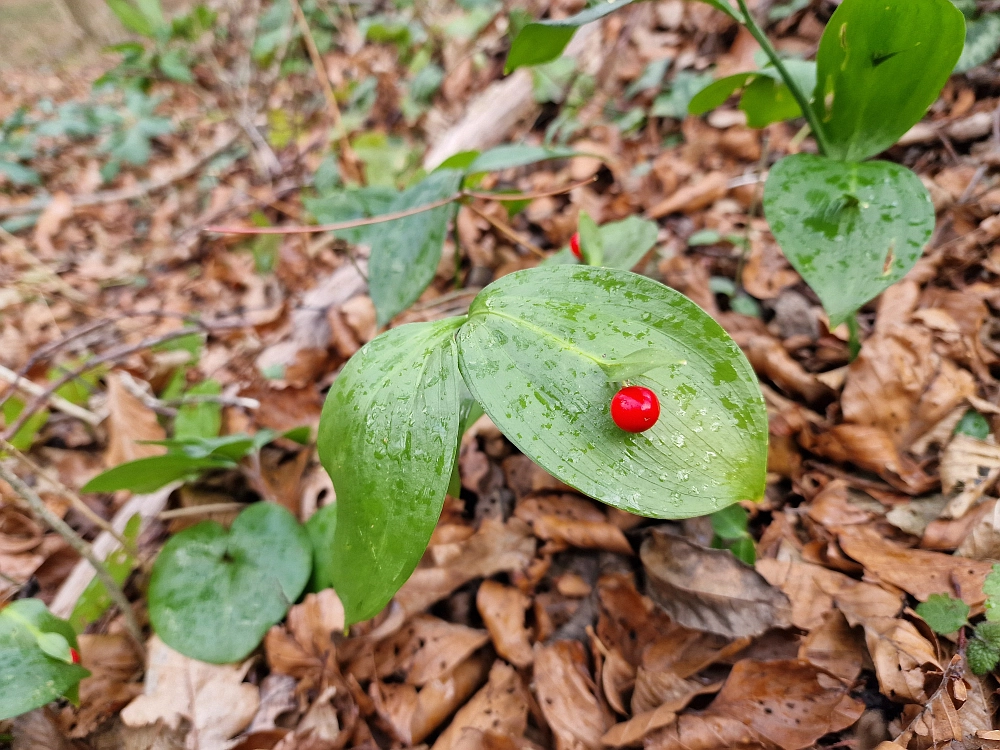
(854, 335)
(793, 86)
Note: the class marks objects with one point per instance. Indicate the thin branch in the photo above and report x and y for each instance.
(63, 529)
(57, 402)
(508, 232)
(354, 223)
(200, 510)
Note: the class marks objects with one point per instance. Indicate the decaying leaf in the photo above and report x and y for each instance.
(129, 421)
(114, 668)
(567, 696)
(970, 466)
(836, 647)
(584, 534)
(633, 731)
(938, 725)
(500, 707)
(502, 609)
(213, 698)
(424, 649)
(710, 589)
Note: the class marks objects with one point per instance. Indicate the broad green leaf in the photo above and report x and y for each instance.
(591, 244)
(202, 419)
(513, 155)
(532, 354)
(388, 438)
(880, 65)
(25, 436)
(851, 230)
(321, 526)
(149, 474)
(639, 362)
(542, 41)
(766, 98)
(132, 18)
(352, 204)
(743, 549)
(56, 646)
(213, 593)
(153, 11)
(730, 522)
(974, 425)
(625, 243)
(717, 92)
(19, 174)
(94, 601)
(943, 614)
(982, 39)
(29, 677)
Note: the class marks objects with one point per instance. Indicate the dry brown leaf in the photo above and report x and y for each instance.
(494, 548)
(983, 540)
(938, 725)
(114, 668)
(707, 731)
(918, 572)
(425, 649)
(710, 589)
(970, 466)
(129, 420)
(567, 696)
(303, 647)
(699, 193)
(836, 647)
(563, 506)
(767, 272)
(503, 609)
(584, 534)
(212, 697)
(633, 731)
(906, 663)
(770, 358)
(501, 707)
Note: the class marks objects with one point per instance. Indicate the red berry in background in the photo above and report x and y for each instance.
(635, 408)
(74, 655)
(574, 245)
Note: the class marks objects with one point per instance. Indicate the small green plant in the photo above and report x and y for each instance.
(946, 615)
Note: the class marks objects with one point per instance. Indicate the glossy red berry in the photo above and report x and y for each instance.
(74, 655)
(635, 408)
(574, 245)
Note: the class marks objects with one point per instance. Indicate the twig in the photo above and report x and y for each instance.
(58, 402)
(200, 510)
(140, 189)
(353, 223)
(81, 507)
(90, 364)
(207, 398)
(350, 158)
(508, 232)
(74, 541)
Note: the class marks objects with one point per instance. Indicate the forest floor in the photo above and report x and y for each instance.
(531, 621)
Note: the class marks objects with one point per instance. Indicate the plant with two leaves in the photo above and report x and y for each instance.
(168, 54)
(38, 660)
(542, 352)
(946, 615)
(850, 227)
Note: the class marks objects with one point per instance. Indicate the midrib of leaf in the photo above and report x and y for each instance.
(544, 333)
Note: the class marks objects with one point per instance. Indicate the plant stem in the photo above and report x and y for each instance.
(854, 335)
(793, 86)
(63, 529)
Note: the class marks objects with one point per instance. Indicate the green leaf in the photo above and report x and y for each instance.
(675, 102)
(25, 436)
(388, 438)
(989, 632)
(202, 419)
(982, 656)
(639, 362)
(625, 242)
(943, 614)
(991, 587)
(56, 646)
(321, 527)
(716, 93)
(29, 677)
(149, 474)
(531, 353)
(174, 64)
(405, 253)
(213, 593)
(880, 65)
(743, 549)
(132, 18)
(19, 174)
(542, 41)
(766, 98)
(730, 522)
(591, 244)
(982, 39)
(851, 230)
(153, 11)
(974, 425)
(513, 155)
(94, 601)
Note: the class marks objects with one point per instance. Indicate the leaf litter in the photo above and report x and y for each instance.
(536, 618)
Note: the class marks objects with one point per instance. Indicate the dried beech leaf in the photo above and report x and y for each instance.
(129, 421)
(633, 731)
(426, 648)
(501, 707)
(906, 663)
(584, 534)
(836, 647)
(502, 609)
(710, 589)
(566, 694)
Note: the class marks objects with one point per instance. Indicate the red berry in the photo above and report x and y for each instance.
(635, 408)
(574, 245)
(74, 655)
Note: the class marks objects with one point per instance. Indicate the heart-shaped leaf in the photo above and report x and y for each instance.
(532, 353)
(29, 676)
(880, 65)
(213, 593)
(851, 230)
(388, 437)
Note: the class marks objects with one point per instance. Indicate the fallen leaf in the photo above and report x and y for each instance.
(115, 668)
(212, 697)
(303, 648)
(970, 466)
(502, 609)
(917, 572)
(425, 649)
(938, 724)
(633, 731)
(767, 272)
(129, 421)
(835, 647)
(709, 589)
(770, 358)
(500, 707)
(583, 534)
(906, 663)
(567, 696)
(700, 192)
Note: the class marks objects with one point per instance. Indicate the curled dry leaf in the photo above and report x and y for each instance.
(785, 704)
(969, 465)
(303, 648)
(633, 731)
(502, 609)
(939, 724)
(767, 271)
(500, 707)
(584, 534)
(213, 698)
(769, 358)
(710, 589)
(114, 668)
(129, 421)
(836, 647)
(917, 572)
(567, 696)
(425, 649)
(696, 195)
(494, 548)
(906, 663)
